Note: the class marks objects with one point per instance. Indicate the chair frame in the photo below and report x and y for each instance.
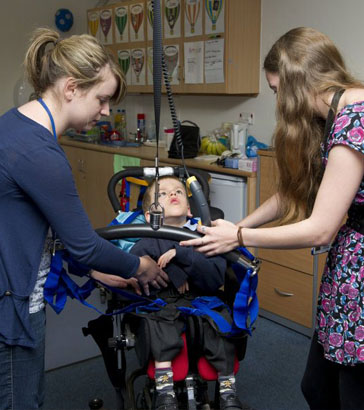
(123, 339)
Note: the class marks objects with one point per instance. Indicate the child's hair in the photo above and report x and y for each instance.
(308, 64)
(148, 197)
(79, 56)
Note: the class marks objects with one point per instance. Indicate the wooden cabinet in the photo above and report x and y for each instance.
(286, 292)
(289, 279)
(92, 171)
(210, 47)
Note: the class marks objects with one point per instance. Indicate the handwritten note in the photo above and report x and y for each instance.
(193, 62)
(214, 61)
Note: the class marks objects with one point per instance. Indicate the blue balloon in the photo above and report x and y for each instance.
(64, 19)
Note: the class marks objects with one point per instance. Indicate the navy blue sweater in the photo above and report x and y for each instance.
(206, 274)
(37, 190)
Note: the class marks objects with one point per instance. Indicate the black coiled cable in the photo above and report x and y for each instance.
(172, 108)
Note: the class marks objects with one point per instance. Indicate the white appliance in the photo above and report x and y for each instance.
(239, 134)
(228, 193)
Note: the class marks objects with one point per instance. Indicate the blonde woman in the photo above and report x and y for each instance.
(75, 80)
(319, 144)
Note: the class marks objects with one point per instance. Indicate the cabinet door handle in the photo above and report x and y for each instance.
(281, 293)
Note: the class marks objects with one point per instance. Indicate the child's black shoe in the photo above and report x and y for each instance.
(166, 401)
(230, 402)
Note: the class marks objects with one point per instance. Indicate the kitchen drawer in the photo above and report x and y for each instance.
(296, 259)
(286, 292)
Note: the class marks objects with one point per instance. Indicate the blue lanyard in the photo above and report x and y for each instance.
(50, 116)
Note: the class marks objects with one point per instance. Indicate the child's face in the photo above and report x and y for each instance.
(173, 198)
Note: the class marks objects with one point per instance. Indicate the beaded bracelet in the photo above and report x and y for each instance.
(240, 237)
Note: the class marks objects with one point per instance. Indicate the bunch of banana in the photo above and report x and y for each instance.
(211, 146)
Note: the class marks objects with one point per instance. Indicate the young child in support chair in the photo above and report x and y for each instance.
(191, 274)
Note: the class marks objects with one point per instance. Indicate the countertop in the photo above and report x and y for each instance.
(148, 153)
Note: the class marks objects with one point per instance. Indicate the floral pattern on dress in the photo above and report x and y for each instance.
(340, 312)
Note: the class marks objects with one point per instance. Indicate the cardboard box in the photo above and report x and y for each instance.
(248, 164)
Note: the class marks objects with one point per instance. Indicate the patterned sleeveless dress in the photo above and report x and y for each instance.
(340, 313)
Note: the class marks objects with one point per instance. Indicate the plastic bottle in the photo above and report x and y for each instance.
(124, 132)
(226, 134)
(151, 130)
(118, 123)
(141, 127)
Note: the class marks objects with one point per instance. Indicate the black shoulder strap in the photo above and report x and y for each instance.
(331, 115)
(190, 122)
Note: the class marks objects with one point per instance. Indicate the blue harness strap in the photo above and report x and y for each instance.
(127, 193)
(246, 307)
(204, 306)
(59, 285)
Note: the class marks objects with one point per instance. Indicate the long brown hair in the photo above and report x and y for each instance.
(50, 58)
(308, 64)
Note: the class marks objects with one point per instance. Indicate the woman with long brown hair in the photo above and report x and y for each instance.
(319, 145)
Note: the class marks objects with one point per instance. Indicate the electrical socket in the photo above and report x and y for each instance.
(247, 117)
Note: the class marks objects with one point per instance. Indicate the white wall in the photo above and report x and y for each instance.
(342, 21)
(18, 19)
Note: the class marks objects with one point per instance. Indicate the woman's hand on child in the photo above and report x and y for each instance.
(221, 237)
(149, 273)
(184, 288)
(164, 259)
(116, 281)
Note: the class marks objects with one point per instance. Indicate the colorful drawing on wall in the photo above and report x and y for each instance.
(171, 56)
(193, 18)
(121, 20)
(105, 23)
(215, 13)
(150, 18)
(93, 23)
(137, 18)
(150, 65)
(137, 62)
(172, 11)
(124, 62)
(150, 13)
